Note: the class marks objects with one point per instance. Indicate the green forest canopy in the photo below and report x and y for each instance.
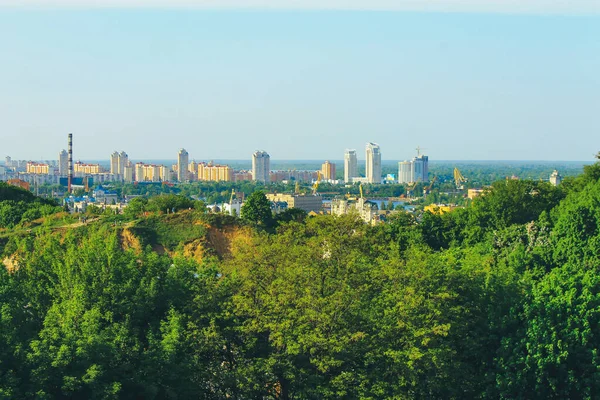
(498, 300)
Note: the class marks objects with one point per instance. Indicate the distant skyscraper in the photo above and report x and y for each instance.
(416, 170)
(140, 175)
(182, 165)
(123, 161)
(350, 165)
(63, 163)
(421, 168)
(128, 172)
(114, 163)
(373, 163)
(328, 170)
(405, 172)
(261, 166)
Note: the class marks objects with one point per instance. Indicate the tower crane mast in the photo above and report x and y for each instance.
(459, 179)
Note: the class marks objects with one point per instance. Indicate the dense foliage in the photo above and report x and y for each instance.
(497, 300)
(19, 205)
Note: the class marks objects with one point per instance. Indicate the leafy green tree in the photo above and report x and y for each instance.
(135, 207)
(555, 352)
(14, 193)
(291, 214)
(257, 210)
(576, 234)
(93, 210)
(167, 203)
(11, 213)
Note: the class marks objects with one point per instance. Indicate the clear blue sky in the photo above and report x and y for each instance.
(299, 84)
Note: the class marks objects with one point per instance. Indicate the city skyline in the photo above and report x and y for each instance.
(303, 84)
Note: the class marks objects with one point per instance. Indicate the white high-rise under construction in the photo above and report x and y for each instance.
(373, 163)
(416, 170)
(261, 166)
(350, 166)
(182, 165)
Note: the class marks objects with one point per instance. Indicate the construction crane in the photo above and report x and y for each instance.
(316, 184)
(361, 190)
(459, 179)
(297, 188)
(231, 197)
(427, 189)
(418, 149)
(409, 188)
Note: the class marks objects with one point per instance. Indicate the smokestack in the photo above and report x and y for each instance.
(70, 162)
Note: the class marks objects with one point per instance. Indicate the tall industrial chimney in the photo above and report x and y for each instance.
(70, 181)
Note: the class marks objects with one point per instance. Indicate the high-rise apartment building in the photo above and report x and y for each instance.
(128, 172)
(373, 163)
(123, 161)
(416, 170)
(63, 163)
(350, 166)
(114, 163)
(118, 161)
(149, 172)
(139, 172)
(193, 171)
(420, 168)
(261, 166)
(216, 173)
(328, 171)
(81, 169)
(182, 165)
(38, 168)
(405, 172)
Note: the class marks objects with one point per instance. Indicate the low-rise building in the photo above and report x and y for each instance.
(240, 176)
(299, 176)
(19, 183)
(307, 202)
(472, 193)
(366, 210)
(103, 196)
(233, 208)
